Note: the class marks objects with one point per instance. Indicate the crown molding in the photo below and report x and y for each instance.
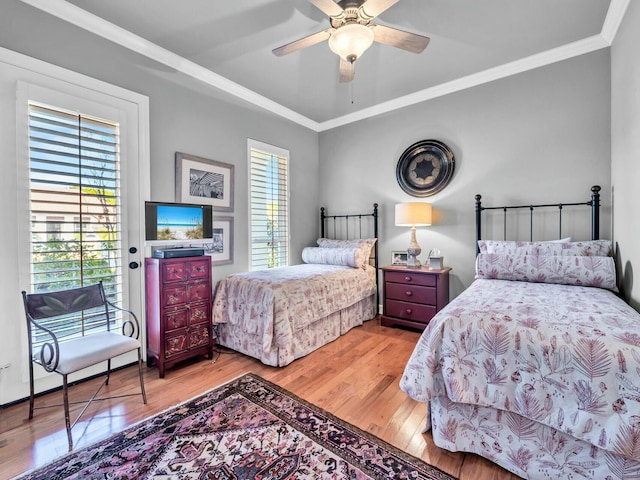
(92, 23)
(615, 14)
(548, 57)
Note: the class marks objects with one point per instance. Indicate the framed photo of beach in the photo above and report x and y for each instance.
(203, 181)
(221, 247)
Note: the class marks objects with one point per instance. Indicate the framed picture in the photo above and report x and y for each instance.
(221, 248)
(203, 181)
(399, 257)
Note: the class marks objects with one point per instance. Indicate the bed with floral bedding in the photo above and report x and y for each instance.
(281, 314)
(536, 366)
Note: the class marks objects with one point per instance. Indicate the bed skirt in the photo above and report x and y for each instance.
(526, 448)
(315, 335)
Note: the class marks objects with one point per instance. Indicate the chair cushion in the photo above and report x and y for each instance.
(82, 352)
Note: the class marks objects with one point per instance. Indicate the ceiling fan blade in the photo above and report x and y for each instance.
(373, 8)
(411, 42)
(302, 43)
(347, 71)
(329, 7)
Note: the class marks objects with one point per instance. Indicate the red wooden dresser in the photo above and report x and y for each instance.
(178, 301)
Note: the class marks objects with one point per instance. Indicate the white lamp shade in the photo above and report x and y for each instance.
(350, 41)
(413, 214)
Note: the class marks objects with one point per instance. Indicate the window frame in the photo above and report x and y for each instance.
(70, 90)
(280, 153)
(74, 165)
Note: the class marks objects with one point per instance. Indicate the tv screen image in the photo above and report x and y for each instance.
(172, 223)
(179, 223)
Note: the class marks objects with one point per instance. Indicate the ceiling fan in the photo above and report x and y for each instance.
(352, 32)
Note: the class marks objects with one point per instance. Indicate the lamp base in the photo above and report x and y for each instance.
(413, 251)
(412, 261)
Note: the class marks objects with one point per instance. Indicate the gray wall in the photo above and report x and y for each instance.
(625, 151)
(540, 136)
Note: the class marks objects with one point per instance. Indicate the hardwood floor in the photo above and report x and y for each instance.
(355, 378)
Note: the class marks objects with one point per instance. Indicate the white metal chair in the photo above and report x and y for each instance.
(68, 355)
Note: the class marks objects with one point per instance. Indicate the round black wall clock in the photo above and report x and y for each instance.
(425, 168)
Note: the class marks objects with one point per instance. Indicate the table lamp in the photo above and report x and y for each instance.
(413, 214)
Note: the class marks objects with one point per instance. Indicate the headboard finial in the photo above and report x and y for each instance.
(595, 212)
(478, 222)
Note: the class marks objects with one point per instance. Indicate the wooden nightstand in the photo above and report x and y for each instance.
(412, 296)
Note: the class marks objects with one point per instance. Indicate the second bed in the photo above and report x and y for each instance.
(281, 314)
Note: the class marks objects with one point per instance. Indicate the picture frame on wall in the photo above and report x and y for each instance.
(203, 181)
(221, 247)
(399, 257)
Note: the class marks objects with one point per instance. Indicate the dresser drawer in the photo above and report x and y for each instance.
(175, 344)
(175, 319)
(199, 313)
(410, 293)
(198, 337)
(174, 271)
(409, 311)
(410, 278)
(199, 269)
(176, 295)
(198, 291)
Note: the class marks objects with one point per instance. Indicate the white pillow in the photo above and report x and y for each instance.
(348, 257)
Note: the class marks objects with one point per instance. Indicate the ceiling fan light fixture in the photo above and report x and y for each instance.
(351, 41)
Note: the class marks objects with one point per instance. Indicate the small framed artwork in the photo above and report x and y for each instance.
(221, 247)
(202, 181)
(399, 257)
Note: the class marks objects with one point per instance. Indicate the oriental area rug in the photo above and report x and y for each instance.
(246, 429)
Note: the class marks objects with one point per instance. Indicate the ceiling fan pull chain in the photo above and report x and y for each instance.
(351, 88)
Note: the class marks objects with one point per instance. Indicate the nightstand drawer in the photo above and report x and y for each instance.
(409, 311)
(410, 278)
(411, 293)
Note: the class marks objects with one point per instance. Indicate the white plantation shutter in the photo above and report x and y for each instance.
(269, 206)
(74, 208)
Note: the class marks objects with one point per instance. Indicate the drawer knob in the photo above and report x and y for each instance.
(407, 278)
(408, 293)
(408, 311)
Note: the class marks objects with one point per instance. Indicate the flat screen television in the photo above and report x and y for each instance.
(177, 223)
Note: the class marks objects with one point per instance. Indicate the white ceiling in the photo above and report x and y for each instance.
(227, 44)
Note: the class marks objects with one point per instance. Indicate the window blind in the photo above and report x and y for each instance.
(74, 208)
(269, 215)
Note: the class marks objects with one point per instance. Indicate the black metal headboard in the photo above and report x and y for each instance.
(352, 226)
(594, 203)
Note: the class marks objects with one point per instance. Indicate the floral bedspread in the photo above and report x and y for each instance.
(275, 303)
(564, 356)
